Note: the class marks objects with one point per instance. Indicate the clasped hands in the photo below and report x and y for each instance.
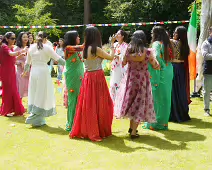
(23, 52)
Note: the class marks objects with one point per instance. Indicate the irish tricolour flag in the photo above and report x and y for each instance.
(192, 42)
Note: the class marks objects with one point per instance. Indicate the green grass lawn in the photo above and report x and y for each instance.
(184, 146)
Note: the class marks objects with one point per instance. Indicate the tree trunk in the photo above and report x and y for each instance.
(205, 23)
(87, 12)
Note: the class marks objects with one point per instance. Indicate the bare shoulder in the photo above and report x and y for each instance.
(98, 49)
(89, 55)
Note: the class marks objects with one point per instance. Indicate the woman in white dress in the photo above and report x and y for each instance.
(117, 71)
(41, 99)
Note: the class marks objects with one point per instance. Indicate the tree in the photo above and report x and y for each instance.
(36, 15)
(147, 10)
(87, 12)
(126, 11)
(67, 12)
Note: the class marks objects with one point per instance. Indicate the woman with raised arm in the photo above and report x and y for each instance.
(41, 99)
(117, 71)
(73, 73)
(134, 99)
(11, 101)
(94, 112)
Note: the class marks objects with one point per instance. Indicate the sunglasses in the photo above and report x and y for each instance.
(12, 38)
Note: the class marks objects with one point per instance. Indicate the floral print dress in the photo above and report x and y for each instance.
(134, 98)
(117, 71)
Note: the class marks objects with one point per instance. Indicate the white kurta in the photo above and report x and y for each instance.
(41, 99)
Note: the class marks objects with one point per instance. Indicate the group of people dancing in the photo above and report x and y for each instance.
(145, 93)
(149, 85)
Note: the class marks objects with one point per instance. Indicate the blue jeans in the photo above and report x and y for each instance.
(60, 72)
(206, 91)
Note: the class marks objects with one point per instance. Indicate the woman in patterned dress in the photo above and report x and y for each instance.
(134, 99)
(73, 74)
(117, 71)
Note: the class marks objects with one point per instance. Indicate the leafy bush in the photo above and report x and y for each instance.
(106, 63)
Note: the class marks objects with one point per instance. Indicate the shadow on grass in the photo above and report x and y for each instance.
(198, 123)
(17, 119)
(183, 136)
(51, 130)
(160, 143)
(116, 143)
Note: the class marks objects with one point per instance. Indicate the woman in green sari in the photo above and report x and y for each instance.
(161, 80)
(73, 74)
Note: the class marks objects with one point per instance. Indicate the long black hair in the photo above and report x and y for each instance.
(30, 34)
(7, 35)
(58, 45)
(19, 42)
(40, 40)
(124, 34)
(182, 37)
(159, 34)
(92, 38)
(138, 42)
(70, 38)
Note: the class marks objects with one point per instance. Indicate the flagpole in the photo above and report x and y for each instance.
(195, 93)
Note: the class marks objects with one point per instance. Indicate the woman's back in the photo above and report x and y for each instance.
(176, 47)
(40, 56)
(137, 65)
(93, 63)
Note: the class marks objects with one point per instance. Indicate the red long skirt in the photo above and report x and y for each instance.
(94, 112)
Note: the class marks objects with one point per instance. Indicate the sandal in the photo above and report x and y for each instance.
(130, 131)
(9, 115)
(134, 136)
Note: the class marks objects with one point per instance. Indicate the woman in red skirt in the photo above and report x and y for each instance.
(94, 112)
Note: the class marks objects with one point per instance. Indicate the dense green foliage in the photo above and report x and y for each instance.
(61, 12)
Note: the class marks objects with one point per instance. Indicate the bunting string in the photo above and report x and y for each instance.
(97, 25)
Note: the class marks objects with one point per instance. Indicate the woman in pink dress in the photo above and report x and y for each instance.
(134, 98)
(11, 102)
(22, 81)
